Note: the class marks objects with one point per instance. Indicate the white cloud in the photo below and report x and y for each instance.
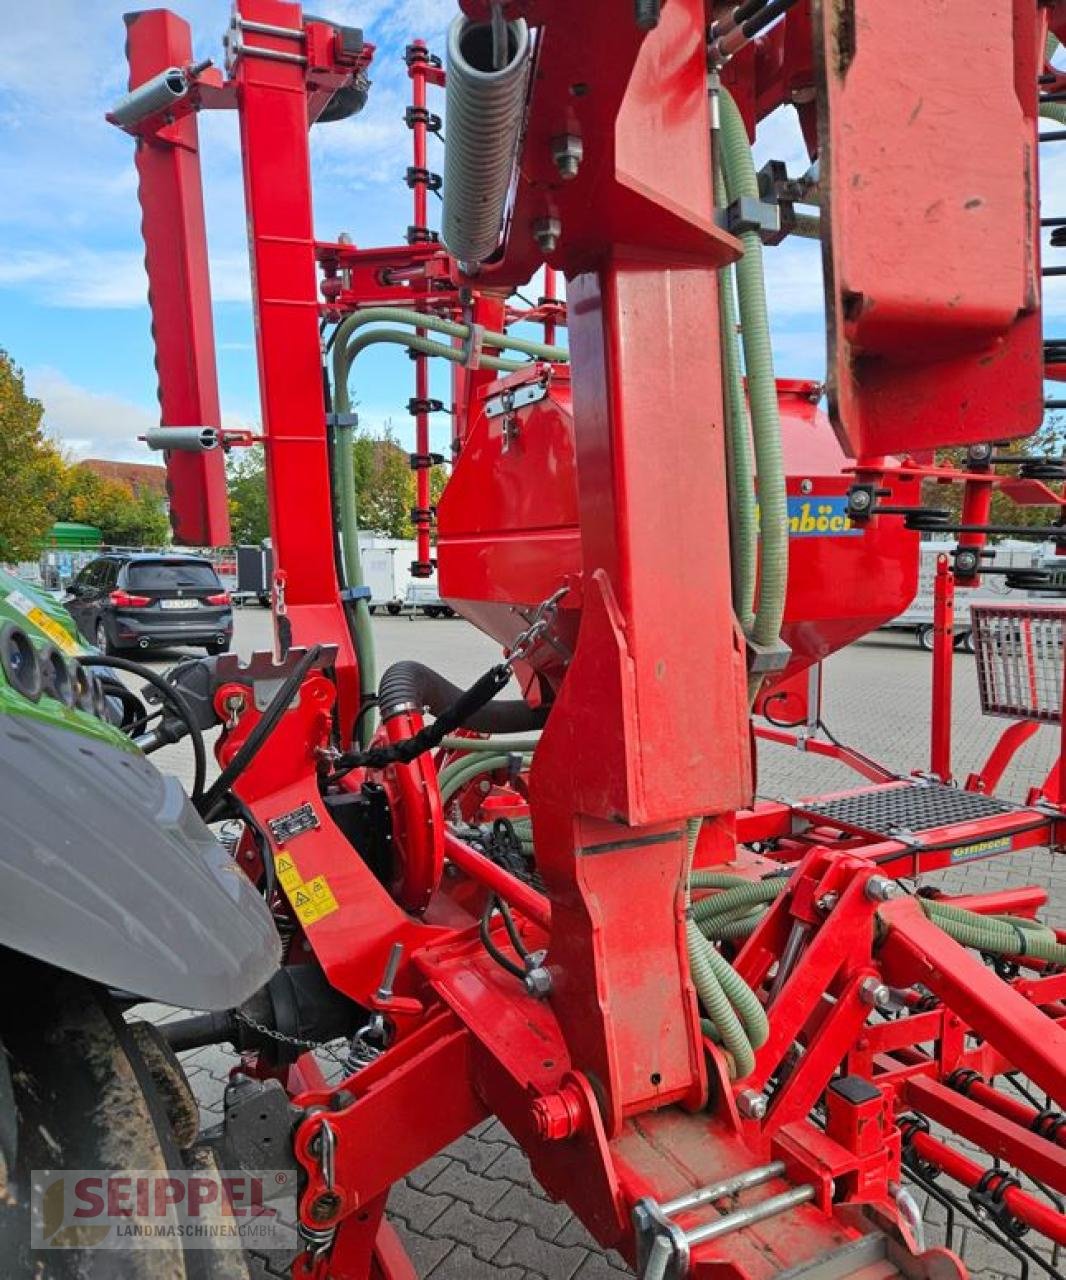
(91, 424)
(87, 424)
(107, 278)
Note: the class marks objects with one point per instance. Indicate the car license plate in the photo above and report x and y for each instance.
(180, 604)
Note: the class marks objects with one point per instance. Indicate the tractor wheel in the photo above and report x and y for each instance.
(964, 642)
(82, 1089)
(925, 638)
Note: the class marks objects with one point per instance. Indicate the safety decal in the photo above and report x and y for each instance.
(58, 634)
(312, 899)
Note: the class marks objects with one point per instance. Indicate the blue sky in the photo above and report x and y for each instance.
(72, 285)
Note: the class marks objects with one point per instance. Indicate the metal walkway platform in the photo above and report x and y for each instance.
(914, 807)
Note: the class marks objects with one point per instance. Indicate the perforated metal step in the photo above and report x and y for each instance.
(911, 806)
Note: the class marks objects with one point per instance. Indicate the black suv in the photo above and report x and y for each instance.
(136, 601)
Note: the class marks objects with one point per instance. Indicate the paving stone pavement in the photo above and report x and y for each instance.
(475, 1210)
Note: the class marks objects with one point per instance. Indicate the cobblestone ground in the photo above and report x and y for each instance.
(475, 1210)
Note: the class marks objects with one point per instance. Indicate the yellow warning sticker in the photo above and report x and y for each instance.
(311, 901)
(57, 634)
(322, 895)
(288, 876)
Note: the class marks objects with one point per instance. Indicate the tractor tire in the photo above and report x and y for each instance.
(83, 1089)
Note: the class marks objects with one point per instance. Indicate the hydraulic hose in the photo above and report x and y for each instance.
(738, 171)
(453, 329)
(494, 745)
(428, 348)
(344, 353)
(455, 778)
(412, 684)
(485, 98)
(352, 561)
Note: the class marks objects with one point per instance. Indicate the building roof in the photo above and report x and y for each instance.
(139, 477)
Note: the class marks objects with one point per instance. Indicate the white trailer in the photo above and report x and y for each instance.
(386, 571)
(918, 616)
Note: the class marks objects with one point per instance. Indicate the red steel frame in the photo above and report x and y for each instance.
(609, 1085)
(175, 242)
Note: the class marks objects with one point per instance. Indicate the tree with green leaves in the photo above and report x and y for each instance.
(246, 481)
(384, 486)
(123, 518)
(1049, 440)
(31, 468)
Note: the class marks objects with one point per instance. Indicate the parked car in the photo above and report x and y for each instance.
(136, 601)
(423, 595)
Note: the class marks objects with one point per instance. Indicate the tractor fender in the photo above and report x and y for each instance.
(107, 871)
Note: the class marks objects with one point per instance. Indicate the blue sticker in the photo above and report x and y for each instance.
(814, 517)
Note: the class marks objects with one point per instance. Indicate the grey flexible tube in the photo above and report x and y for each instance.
(485, 107)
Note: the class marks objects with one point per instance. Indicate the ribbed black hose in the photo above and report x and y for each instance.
(414, 684)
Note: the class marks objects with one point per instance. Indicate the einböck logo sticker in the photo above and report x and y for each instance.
(814, 517)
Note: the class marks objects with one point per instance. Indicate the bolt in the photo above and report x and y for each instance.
(874, 993)
(880, 889)
(538, 982)
(752, 1104)
(859, 499)
(325, 1206)
(806, 486)
(546, 232)
(827, 901)
(557, 1116)
(567, 151)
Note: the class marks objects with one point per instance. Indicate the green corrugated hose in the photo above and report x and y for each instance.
(738, 170)
(731, 1005)
(743, 520)
(1052, 110)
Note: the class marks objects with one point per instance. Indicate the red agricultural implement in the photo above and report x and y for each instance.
(725, 1032)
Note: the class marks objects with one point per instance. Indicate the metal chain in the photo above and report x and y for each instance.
(294, 1041)
(542, 619)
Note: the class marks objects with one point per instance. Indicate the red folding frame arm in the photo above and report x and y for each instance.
(179, 287)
